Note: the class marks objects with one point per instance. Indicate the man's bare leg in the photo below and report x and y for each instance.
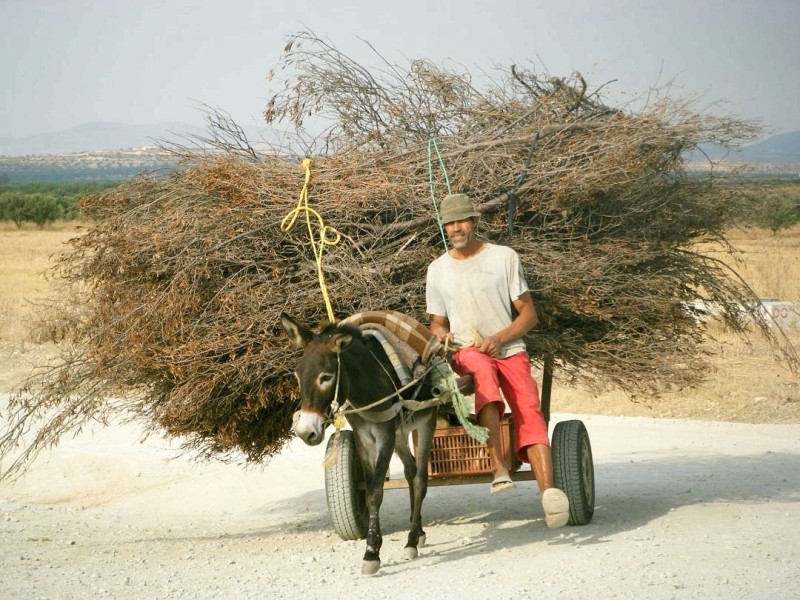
(554, 501)
(489, 417)
(541, 459)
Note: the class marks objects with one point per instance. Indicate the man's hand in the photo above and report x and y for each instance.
(522, 324)
(491, 346)
(444, 336)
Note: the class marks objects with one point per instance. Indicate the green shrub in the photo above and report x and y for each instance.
(12, 207)
(778, 208)
(43, 202)
(42, 209)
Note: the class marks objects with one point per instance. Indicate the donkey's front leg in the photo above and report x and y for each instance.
(372, 559)
(416, 535)
(419, 482)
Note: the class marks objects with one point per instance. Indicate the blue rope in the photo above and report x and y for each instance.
(432, 144)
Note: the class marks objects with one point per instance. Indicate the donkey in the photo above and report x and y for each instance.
(341, 365)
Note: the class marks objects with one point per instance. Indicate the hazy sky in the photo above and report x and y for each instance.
(68, 62)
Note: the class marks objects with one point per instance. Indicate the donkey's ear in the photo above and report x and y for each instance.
(299, 335)
(340, 341)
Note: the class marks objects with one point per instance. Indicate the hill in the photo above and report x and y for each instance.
(105, 136)
(779, 152)
(781, 148)
(111, 165)
(101, 151)
(106, 151)
(91, 137)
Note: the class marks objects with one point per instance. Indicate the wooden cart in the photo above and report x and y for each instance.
(457, 459)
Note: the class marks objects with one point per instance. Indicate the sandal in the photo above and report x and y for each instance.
(502, 483)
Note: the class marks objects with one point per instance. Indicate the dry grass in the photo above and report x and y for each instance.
(749, 384)
(24, 262)
(772, 266)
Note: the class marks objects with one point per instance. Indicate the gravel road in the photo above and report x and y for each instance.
(685, 509)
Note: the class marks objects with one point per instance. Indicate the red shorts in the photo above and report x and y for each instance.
(513, 376)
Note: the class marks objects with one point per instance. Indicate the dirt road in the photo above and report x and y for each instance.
(685, 509)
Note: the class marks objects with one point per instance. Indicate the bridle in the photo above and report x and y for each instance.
(337, 411)
(334, 407)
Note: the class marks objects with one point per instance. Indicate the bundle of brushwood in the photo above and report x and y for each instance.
(172, 297)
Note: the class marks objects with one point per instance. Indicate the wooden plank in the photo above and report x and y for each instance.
(547, 386)
(393, 484)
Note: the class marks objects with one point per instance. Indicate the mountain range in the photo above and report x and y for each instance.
(109, 136)
(781, 149)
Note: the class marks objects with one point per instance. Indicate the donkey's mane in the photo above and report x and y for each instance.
(331, 328)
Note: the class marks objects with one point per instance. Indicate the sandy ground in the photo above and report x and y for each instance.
(685, 509)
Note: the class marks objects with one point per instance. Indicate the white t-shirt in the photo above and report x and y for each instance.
(476, 293)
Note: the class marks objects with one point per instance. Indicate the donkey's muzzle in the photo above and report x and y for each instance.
(309, 427)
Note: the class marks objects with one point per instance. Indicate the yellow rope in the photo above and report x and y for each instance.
(328, 236)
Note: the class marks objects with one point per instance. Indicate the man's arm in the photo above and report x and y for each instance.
(440, 327)
(525, 320)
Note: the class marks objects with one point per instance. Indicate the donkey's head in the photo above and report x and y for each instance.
(319, 374)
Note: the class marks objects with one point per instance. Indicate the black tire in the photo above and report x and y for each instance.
(345, 490)
(573, 469)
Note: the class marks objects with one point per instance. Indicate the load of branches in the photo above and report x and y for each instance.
(171, 301)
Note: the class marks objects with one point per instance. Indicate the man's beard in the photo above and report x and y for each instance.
(460, 242)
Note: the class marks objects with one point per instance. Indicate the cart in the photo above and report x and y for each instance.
(457, 459)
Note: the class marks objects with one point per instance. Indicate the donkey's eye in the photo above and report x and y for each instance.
(325, 379)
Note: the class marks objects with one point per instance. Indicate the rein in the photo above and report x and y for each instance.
(433, 355)
(389, 413)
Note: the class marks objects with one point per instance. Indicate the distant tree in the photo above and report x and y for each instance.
(12, 207)
(36, 208)
(69, 207)
(33, 201)
(779, 211)
(4, 179)
(43, 209)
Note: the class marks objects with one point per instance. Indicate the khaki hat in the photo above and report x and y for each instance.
(457, 207)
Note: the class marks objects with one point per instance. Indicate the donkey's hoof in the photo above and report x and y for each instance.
(422, 540)
(410, 552)
(370, 567)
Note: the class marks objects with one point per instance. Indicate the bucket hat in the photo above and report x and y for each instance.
(457, 207)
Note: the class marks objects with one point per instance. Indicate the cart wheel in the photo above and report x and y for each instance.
(573, 469)
(344, 487)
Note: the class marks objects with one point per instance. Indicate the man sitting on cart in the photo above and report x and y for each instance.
(479, 300)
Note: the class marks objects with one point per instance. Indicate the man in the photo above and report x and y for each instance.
(479, 300)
